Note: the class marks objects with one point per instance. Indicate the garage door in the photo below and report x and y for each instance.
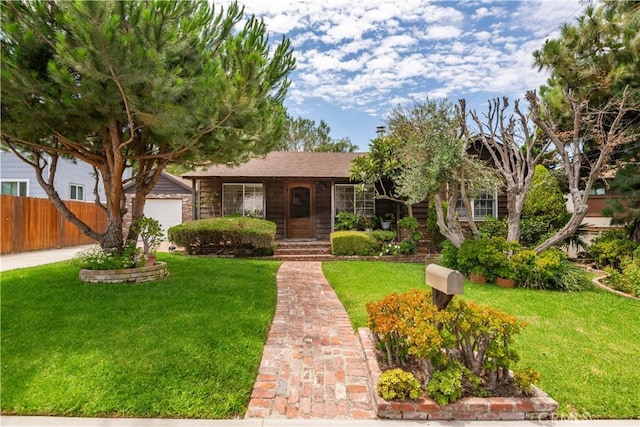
(168, 212)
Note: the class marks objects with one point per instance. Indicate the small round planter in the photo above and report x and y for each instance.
(478, 279)
(385, 225)
(505, 283)
(127, 275)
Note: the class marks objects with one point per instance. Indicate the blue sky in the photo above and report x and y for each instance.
(357, 59)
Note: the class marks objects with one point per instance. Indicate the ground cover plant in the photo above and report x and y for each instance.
(186, 346)
(586, 345)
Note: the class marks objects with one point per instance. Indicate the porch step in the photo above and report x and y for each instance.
(308, 257)
(295, 247)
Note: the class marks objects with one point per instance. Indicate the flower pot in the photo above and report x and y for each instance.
(386, 225)
(505, 283)
(151, 260)
(478, 278)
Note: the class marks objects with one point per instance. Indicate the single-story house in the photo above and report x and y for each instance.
(301, 192)
(170, 202)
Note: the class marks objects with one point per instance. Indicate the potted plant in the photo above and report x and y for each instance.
(151, 234)
(478, 275)
(386, 222)
(367, 222)
(506, 274)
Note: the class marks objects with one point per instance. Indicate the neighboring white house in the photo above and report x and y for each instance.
(74, 180)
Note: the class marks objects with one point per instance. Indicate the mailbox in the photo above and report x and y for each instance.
(445, 283)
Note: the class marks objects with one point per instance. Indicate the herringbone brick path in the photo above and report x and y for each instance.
(313, 364)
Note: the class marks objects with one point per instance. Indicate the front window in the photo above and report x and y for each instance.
(15, 188)
(355, 198)
(243, 199)
(76, 192)
(483, 205)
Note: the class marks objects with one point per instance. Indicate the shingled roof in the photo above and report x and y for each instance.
(285, 164)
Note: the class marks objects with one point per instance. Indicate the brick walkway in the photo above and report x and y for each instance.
(313, 364)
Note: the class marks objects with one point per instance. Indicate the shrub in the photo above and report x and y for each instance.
(628, 280)
(465, 341)
(353, 243)
(611, 248)
(525, 378)
(549, 270)
(383, 236)
(95, 258)
(396, 384)
(150, 232)
(347, 221)
(449, 254)
(231, 233)
(445, 386)
(482, 256)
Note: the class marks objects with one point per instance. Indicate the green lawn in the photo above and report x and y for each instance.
(586, 345)
(185, 346)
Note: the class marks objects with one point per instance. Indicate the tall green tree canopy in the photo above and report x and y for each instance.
(137, 84)
(304, 135)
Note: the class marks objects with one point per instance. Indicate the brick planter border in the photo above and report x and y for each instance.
(128, 275)
(539, 407)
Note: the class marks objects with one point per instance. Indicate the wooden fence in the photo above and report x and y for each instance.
(30, 224)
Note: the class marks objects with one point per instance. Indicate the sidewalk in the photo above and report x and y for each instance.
(31, 259)
(8, 421)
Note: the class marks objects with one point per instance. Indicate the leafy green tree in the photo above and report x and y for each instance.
(304, 135)
(545, 200)
(590, 111)
(423, 156)
(136, 85)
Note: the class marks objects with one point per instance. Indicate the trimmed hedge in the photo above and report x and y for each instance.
(353, 243)
(238, 235)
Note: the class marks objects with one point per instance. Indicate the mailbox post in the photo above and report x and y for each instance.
(446, 283)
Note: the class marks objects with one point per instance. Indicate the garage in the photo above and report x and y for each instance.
(168, 212)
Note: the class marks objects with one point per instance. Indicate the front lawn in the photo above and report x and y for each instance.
(586, 345)
(186, 346)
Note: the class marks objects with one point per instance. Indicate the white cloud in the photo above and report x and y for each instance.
(369, 55)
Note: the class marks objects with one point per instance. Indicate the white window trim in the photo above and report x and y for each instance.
(333, 198)
(264, 198)
(19, 181)
(473, 213)
(84, 192)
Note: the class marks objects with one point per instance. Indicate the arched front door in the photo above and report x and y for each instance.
(301, 211)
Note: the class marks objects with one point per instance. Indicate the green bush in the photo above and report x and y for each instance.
(409, 245)
(445, 386)
(383, 236)
(396, 384)
(628, 279)
(449, 255)
(347, 221)
(483, 256)
(233, 233)
(353, 243)
(549, 270)
(611, 248)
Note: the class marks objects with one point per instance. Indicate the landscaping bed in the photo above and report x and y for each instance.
(538, 406)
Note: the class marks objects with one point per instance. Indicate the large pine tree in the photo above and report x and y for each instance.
(136, 84)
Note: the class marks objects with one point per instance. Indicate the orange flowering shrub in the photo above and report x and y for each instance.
(409, 327)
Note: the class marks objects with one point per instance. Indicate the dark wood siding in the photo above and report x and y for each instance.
(275, 199)
(323, 209)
